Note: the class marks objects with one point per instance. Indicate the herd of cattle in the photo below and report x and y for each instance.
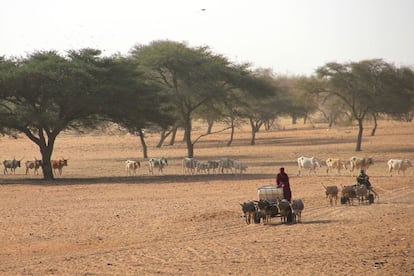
(354, 164)
(35, 165)
(191, 166)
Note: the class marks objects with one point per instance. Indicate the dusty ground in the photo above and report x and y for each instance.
(96, 221)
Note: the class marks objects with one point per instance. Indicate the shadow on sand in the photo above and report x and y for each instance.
(156, 179)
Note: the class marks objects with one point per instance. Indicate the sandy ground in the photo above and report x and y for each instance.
(94, 220)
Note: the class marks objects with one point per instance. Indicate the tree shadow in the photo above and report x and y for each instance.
(139, 180)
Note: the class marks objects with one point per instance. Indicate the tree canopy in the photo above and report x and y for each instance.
(192, 78)
(46, 93)
(369, 87)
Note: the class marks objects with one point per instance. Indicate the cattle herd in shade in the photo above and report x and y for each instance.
(10, 166)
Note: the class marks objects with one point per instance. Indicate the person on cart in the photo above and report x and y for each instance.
(363, 179)
(282, 181)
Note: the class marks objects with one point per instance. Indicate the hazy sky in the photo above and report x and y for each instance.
(290, 36)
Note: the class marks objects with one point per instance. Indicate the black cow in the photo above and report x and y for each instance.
(12, 165)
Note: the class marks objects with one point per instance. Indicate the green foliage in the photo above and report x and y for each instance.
(369, 87)
(46, 93)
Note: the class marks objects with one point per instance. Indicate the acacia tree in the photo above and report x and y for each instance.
(46, 93)
(299, 103)
(267, 100)
(191, 77)
(368, 87)
(132, 102)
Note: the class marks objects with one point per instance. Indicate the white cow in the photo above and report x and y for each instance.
(213, 165)
(357, 163)
(310, 163)
(398, 165)
(203, 168)
(335, 163)
(239, 166)
(131, 167)
(159, 163)
(226, 164)
(189, 165)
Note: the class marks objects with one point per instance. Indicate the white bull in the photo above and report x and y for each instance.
(357, 163)
(189, 165)
(398, 165)
(226, 164)
(159, 163)
(310, 163)
(239, 166)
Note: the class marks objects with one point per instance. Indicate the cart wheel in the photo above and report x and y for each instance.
(371, 198)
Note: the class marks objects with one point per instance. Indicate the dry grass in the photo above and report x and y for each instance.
(94, 220)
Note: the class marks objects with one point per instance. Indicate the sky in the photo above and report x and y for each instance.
(290, 37)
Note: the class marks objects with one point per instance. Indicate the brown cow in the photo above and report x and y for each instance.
(58, 164)
(33, 164)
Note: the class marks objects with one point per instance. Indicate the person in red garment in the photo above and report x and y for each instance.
(282, 181)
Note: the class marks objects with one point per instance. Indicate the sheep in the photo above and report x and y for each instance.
(249, 210)
(297, 208)
(331, 193)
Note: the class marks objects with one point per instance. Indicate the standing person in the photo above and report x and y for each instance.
(282, 181)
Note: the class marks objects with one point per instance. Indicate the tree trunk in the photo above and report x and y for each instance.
(143, 144)
(46, 149)
(210, 124)
(294, 119)
(173, 135)
(253, 139)
(374, 129)
(230, 141)
(253, 130)
(187, 137)
(46, 164)
(331, 121)
(163, 136)
(359, 138)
